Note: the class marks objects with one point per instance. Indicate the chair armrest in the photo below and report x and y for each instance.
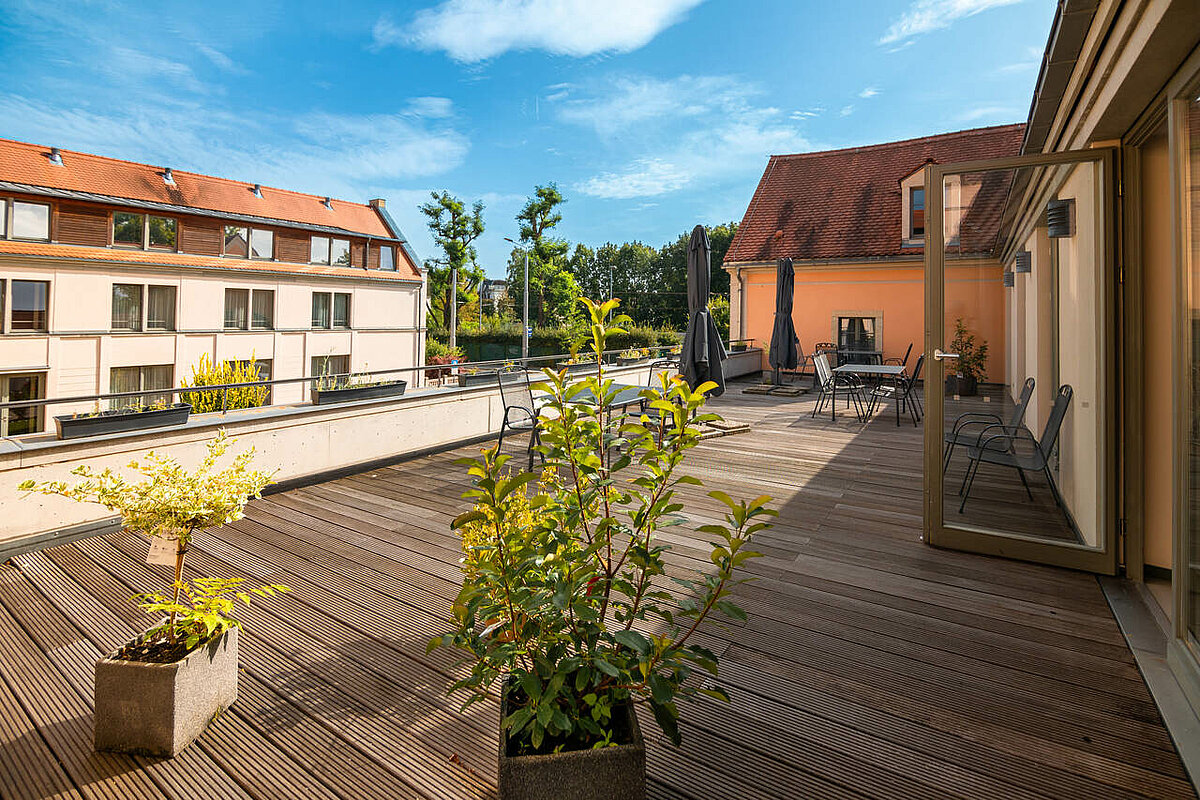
(1008, 437)
(976, 418)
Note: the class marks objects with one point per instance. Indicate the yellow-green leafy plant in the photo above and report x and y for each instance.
(206, 373)
(171, 502)
(565, 594)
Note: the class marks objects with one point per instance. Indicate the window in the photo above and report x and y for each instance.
(262, 310)
(30, 220)
(339, 251)
(237, 241)
(129, 229)
(237, 308)
(856, 334)
(387, 257)
(341, 310)
(29, 306)
(126, 307)
(916, 215)
(330, 365)
(160, 308)
(3, 218)
(21, 419)
(320, 250)
(262, 244)
(321, 310)
(162, 233)
(140, 379)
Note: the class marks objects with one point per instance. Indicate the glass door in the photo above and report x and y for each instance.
(1020, 434)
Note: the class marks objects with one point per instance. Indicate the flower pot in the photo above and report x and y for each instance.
(610, 773)
(323, 397)
(963, 386)
(488, 378)
(626, 361)
(573, 369)
(159, 709)
(72, 427)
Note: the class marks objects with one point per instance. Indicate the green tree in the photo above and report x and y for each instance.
(454, 229)
(552, 287)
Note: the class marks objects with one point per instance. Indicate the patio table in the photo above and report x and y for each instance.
(879, 372)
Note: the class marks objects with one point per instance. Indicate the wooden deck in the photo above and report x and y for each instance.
(872, 666)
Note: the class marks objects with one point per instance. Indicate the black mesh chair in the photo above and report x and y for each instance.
(968, 427)
(1016, 448)
(903, 391)
(831, 384)
(900, 362)
(521, 412)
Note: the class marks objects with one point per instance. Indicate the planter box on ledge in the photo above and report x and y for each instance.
(77, 427)
(610, 773)
(473, 379)
(159, 709)
(323, 397)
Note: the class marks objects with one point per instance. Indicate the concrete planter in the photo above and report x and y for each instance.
(323, 397)
(625, 361)
(612, 773)
(159, 709)
(72, 427)
(467, 380)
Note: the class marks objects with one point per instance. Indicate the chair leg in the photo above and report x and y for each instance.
(1024, 482)
(946, 460)
(967, 493)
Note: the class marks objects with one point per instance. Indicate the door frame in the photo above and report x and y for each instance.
(1026, 548)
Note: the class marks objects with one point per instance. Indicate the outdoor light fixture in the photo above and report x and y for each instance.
(1060, 219)
(1010, 279)
(1023, 262)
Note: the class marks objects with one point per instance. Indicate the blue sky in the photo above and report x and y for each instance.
(651, 115)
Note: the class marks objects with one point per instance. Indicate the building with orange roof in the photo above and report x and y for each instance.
(117, 276)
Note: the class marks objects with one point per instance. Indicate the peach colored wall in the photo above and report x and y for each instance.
(893, 294)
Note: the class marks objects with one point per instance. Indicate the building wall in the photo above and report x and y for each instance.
(80, 348)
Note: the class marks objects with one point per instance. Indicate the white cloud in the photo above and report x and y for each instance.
(846, 111)
(924, 16)
(476, 30)
(431, 107)
(868, 93)
(1031, 63)
(807, 113)
(987, 112)
(684, 132)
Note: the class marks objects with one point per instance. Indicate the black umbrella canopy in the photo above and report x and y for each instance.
(784, 353)
(703, 350)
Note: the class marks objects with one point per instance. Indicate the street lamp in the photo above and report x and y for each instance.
(525, 297)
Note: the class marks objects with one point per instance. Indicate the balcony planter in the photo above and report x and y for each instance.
(738, 347)
(467, 380)
(159, 709)
(610, 773)
(626, 361)
(349, 394)
(961, 385)
(70, 426)
(575, 369)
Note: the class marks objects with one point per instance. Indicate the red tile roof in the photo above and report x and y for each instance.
(29, 164)
(841, 204)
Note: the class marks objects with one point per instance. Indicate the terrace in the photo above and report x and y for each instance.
(871, 664)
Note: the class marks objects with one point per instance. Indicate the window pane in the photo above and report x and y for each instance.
(320, 310)
(124, 379)
(236, 241)
(339, 251)
(31, 220)
(26, 419)
(320, 250)
(341, 311)
(29, 305)
(159, 377)
(237, 302)
(127, 228)
(126, 307)
(160, 308)
(262, 244)
(330, 365)
(387, 258)
(162, 233)
(917, 223)
(263, 315)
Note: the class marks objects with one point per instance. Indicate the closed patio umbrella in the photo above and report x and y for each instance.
(783, 353)
(703, 350)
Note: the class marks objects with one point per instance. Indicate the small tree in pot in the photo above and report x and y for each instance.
(157, 693)
(564, 598)
(971, 364)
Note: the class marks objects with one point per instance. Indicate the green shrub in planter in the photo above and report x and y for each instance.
(562, 591)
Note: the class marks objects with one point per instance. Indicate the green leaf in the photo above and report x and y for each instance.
(634, 640)
(667, 716)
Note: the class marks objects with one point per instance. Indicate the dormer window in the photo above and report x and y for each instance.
(916, 212)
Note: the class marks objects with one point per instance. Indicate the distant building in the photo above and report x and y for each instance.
(493, 293)
(117, 276)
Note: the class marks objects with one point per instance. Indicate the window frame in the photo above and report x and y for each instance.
(250, 244)
(392, 253)
(144, 308)
(333, 319)
(328, 311)
(143, 398)
(225, 315)
(112, 230)
(312, 241)
(5, 396)
(270, 326)
(225, 241)
(912, 212)
(12, 220)
(172, 248)
(9, 290)
(141, 308)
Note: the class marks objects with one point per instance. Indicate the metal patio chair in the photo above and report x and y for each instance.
(521, 412)
(831, 383)
(968, 427)
(900, 362)
(1016, 448)
(903, 391)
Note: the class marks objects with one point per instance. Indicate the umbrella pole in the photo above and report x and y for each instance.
(777, 376)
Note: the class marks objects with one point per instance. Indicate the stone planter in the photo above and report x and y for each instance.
(961, 386)
(323, 397)
(72, 427)
(738, 347)
(159, 709)
(611, 773)
(473, 379)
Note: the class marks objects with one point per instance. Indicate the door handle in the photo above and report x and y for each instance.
(938, 355)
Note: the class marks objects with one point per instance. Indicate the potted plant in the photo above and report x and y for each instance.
(119, 420)
(632, 355)
(971, 362)
(348, 388)
(738, 347)
(563, 608)
(474, 376)
(157, 693)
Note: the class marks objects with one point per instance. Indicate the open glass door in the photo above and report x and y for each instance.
(1020, 432)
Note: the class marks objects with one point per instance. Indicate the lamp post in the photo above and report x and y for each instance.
(525, 298)
(453, 307)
